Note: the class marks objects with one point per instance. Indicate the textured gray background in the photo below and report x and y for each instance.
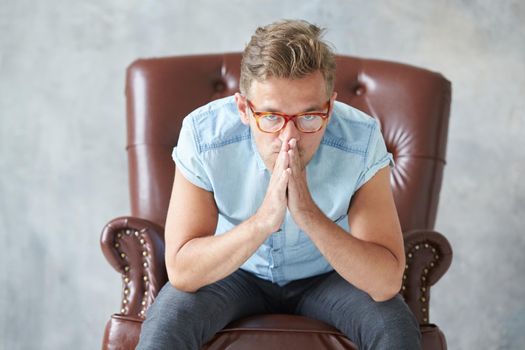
(63, 164)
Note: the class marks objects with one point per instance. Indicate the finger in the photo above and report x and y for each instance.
(282, 158)
(294, 161)
(285, 178)
(280, 175)
(293, 190)
(283, 161)
(279, 160)
(291, 183)
(282, 183)
(285, 146)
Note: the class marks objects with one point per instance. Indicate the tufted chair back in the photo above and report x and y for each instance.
(412, 105)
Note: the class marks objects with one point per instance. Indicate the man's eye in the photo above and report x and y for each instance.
(272, 118)
(309, 118)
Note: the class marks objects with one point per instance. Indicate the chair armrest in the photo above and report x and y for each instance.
(428, 257)
(135, 249)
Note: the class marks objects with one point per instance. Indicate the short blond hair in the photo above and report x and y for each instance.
(290, 49)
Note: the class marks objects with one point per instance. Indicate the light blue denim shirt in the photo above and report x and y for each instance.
(216, 152)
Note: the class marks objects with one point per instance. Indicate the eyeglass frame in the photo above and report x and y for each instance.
(288, 117)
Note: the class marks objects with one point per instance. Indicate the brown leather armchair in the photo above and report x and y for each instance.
(413, 107)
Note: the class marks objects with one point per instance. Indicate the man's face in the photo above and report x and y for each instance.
(291, 97)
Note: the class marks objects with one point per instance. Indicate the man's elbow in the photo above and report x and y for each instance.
(179, 282)
(181, 285)
(391, 287)
(380, 297)
(386, 293)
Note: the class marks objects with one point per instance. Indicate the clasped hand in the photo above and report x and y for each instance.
(288, 188)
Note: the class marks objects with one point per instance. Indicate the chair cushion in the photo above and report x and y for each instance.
(263, 332)
(266, 332)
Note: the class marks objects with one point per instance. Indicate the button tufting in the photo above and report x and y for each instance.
(359, 90)
(220, 86)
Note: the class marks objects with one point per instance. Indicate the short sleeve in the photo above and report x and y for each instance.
(188, 159)
(377, 156)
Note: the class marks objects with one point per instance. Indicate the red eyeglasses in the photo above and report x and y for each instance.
(307, 122)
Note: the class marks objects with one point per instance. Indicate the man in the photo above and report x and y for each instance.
(269, 184)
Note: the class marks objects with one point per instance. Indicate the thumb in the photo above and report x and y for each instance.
(284, 181)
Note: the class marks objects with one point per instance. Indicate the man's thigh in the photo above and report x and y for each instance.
(368, 323)
(184, 320)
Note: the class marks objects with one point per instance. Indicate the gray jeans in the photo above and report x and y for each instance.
(180, 320)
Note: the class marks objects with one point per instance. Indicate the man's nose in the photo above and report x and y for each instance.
(289, 131)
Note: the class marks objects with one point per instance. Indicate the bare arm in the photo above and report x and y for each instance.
(194, 256)
(371, 258)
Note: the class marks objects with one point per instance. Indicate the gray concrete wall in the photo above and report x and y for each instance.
(63, 164)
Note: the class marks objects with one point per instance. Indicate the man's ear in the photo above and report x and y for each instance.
(332, 101)
(242, 106)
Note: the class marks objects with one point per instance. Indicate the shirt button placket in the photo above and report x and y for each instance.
(276, 254)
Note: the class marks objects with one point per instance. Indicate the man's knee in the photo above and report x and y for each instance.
(391, 325)
(176, 320)
(370, 324)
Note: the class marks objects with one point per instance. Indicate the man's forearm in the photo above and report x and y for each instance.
(368, 266)
(205, 260)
